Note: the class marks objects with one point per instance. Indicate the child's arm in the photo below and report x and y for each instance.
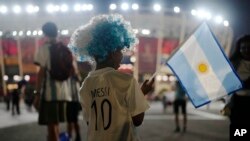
(138, 119)
(147, 86)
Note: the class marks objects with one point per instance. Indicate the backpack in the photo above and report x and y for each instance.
(61, 61)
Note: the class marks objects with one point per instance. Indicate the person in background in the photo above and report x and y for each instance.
(240, 101)
(74, 107)
(7, 99)
(180, 101)
(16, 95)
(113, 103)
(164, 102)
(51, 95)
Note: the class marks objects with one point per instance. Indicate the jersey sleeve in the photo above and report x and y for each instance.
(136, 100)
(41, 56)
(84, 102)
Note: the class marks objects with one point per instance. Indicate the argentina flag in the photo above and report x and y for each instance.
(203, 69)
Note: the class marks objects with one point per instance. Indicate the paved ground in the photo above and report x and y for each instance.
(203, 125)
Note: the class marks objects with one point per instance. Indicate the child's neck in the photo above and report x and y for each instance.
(104, 65)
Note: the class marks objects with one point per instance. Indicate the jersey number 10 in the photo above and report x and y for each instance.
(94, 105)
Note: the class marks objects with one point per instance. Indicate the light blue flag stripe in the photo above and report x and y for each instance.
(216, 58)
(187, 76)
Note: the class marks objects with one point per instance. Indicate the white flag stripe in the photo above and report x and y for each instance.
(195, 56)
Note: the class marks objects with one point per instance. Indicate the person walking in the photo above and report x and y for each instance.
(180, 102)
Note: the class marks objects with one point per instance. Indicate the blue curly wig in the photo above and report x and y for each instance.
(103, 35)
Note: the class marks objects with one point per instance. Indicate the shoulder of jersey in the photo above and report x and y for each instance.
(120, 75)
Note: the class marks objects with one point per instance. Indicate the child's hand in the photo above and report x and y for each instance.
(147, 86)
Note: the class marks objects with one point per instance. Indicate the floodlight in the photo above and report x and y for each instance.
(112, 6)
(77, 7)
(17, 9)
(226, 23)
(20, 33)
(157, 7)
(177, 9)
(135, 6)
(64, 8)
(218, 19)
(145, 32)
(124, 6)
(3, 9)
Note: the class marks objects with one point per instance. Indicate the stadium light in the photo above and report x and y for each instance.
(5, 78)
(112, 6)
(34, 33)
(125, 6)
(20, 33)
(64, 8)
(36, 8)
(17, 9)
(14, 33)
(77, 7)
(3, 9)
(226, 23)
(218, 19)
(56, 8)
(145, 32)
(50, 8)
(157, 7)
(208, 16)
(16, 78)
(32, 9)
(136, 31)
(90, 7)
(172, 78)
(65, 32)
(135, 6)
(40, 32)
(84, 7)
(1, 33)
(28, 33)
(132, 59)
(165, 78)
(158, 78)
(203, 14)
(27, 78)
(193, 12)
(177, 9)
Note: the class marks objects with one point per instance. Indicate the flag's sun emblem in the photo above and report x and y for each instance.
(202, 67)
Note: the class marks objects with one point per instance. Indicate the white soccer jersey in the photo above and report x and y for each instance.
(54, 90)
(110, 99)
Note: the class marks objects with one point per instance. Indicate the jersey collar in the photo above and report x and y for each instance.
(101, 71)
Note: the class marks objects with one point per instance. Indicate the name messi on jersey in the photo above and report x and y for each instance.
(100, 92)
